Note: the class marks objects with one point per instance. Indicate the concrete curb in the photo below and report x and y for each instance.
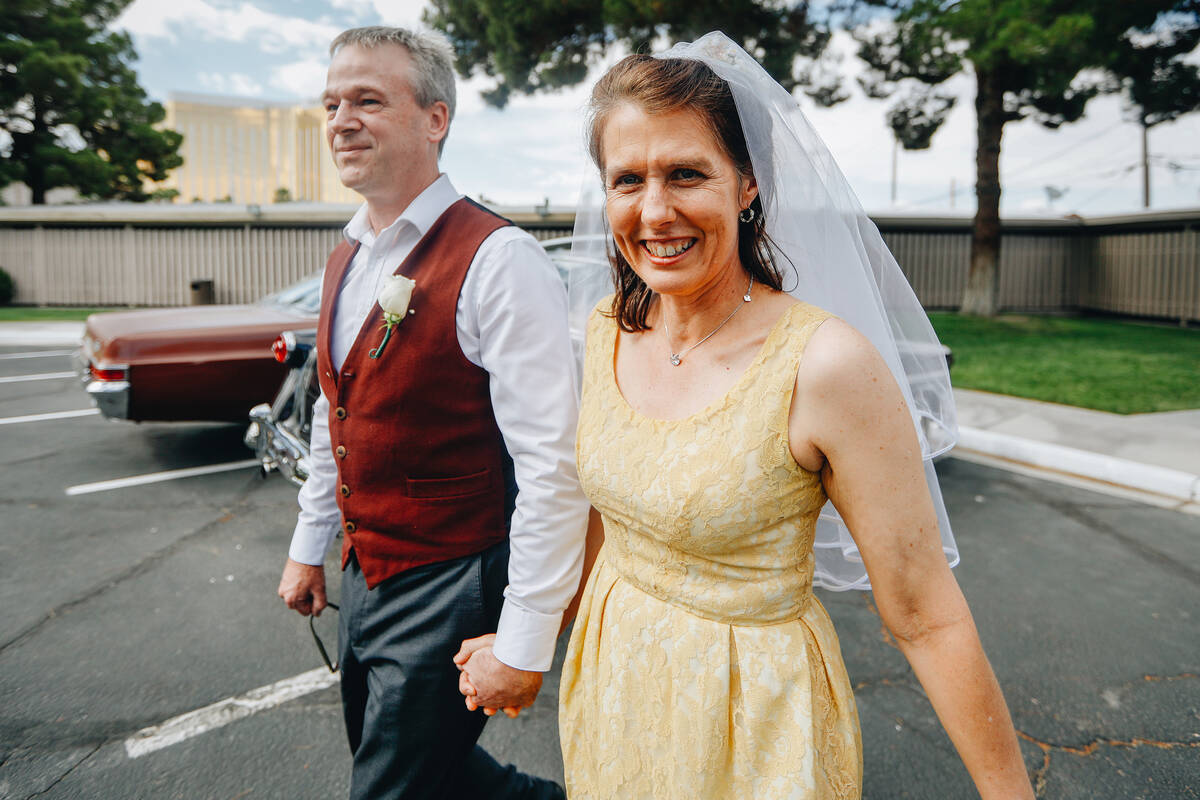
(40, 333)
(1176, 484)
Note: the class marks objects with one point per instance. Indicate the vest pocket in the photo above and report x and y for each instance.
(463, 486)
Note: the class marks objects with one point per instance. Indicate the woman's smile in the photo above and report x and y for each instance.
(664, 250)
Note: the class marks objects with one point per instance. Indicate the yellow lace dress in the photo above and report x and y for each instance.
(701, 665)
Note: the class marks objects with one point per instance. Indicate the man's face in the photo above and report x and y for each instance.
(380, 138)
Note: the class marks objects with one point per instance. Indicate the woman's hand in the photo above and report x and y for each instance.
(481, 647)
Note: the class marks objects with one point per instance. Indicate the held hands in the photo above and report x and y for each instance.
(488, 683)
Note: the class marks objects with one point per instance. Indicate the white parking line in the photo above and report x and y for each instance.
(159, 477)
(45, 376)
(83, 412)
(42, 354)
(223, 712)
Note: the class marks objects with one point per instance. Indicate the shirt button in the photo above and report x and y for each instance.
(341, 451)
(345, 490)
(350, 527)
(339, 412)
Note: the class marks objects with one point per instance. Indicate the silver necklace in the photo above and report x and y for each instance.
(677, 358)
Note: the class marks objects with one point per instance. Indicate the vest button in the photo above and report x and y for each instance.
(339, 412)
(345, 490)
(350, 527)
(341, 451)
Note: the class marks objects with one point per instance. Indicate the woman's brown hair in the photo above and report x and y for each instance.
(660, 86)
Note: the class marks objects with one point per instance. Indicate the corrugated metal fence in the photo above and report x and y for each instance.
(1145, 265)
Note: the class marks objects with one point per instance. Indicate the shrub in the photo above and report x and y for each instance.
(6, 288)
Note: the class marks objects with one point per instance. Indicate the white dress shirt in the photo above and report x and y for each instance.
(511, 319)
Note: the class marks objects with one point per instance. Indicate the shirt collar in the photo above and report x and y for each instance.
(421, 213)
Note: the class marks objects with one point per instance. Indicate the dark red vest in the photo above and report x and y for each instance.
(420, 460)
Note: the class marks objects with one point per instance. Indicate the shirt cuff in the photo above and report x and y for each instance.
(310, 542)
(525, 639)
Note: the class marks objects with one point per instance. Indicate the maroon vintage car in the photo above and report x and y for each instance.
(198, 363)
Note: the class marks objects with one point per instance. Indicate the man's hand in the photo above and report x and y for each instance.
(488, 683)
(302, 587)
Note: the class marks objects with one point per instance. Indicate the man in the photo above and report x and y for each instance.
(417, 442)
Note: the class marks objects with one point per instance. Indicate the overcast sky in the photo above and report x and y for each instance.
(276, 50)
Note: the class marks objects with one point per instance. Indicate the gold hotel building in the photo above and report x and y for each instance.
(246, 151)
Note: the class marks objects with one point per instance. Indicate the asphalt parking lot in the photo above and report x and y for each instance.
(128, 606)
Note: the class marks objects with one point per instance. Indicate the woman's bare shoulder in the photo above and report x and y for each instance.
(842, 375)
(837, 353)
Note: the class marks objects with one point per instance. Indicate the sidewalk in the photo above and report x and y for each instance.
(58, 334)
(1154, 458)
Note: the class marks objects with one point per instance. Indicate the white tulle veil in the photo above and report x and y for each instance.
(830, 254)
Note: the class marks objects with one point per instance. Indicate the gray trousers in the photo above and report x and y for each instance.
(410, 733)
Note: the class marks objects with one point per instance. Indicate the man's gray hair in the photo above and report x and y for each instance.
(432, 58)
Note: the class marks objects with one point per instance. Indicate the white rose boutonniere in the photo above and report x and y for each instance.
(393, 299)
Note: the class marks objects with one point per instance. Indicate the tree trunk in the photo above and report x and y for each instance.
(35, 172)
(983, 279)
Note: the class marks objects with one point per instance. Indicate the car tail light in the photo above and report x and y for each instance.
(283, 346)
(109, 373)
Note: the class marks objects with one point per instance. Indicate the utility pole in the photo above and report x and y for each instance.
(895, 160)
(1145, 163)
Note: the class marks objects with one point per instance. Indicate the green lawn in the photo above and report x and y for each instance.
(49, 314)
(1126, 367)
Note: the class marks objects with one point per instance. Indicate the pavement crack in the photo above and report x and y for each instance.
(1090, 748)
(1132, 543)
(30, 459)
(1183, 676)
(134, 570)
(890, 683)
(69, 770)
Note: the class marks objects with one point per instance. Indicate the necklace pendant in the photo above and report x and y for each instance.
(675, 359)
(746, 297)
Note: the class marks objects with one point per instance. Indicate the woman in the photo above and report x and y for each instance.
(719, 415)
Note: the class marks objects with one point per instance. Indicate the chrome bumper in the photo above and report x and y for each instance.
(277, 448)
(111, 397)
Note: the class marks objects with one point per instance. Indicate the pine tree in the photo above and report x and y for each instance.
(1029, 58)
(527, 46)
(71, 103)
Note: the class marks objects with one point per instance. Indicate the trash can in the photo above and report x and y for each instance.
(202, 292)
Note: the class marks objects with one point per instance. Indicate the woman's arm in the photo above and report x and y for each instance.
(849, 418)
(595, 539)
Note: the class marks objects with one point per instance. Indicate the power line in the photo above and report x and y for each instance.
(1065, 150)
(1108, 188)
(1073, 176)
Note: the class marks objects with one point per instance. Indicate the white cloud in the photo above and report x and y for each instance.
(232, 83)
(246, 22)
(353, 11)
(401, 13)
(304, 79)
